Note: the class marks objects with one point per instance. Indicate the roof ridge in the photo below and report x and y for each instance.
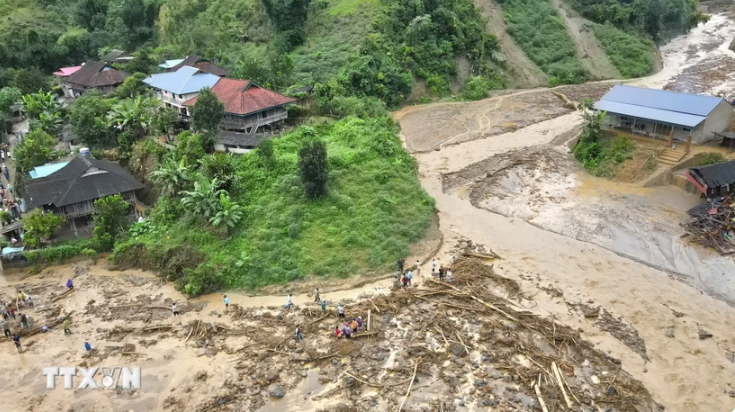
(709, 96)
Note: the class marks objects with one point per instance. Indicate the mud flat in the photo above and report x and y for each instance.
(465, 345)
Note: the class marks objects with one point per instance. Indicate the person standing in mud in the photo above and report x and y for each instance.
(433, 267)
(409, 276)
(337, 332)
(317, 297)
(87, 347)
(175, 309)
(4, 312)
(418, 267)
(404, 281)
(67, 330)
(299, 336)
(340, 312)
(24, 320)
(347, 331)
(289, 301)
(69, 284)
(401, 263)
(5, 327)
(16, 341)
(29, 301)
(227, 303)
(324, 305)
(11, 311)
(441, 272)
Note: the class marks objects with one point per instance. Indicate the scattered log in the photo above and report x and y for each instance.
(491, 255)
(557, 374)
(192, 330)
(321, 318)
(363, 334)
(374, 385)
(63, 295)
(367, 326)
(413, 377)
(540, 398)
(157, 327)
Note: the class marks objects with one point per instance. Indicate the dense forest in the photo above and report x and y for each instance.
(369, 48)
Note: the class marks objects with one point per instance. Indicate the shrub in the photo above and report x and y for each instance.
(109, 220)
(710, 158)
(476, 88)
(631, 55)
(40, 226)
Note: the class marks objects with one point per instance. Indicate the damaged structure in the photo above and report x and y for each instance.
(664, 115)
(713, 180)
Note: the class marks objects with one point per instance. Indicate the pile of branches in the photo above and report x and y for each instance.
(712, 225)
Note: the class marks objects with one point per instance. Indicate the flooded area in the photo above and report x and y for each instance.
(593, 283)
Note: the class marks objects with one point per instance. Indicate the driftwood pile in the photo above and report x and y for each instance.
(713, 225)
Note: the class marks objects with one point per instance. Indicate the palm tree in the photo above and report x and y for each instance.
(172, 177)
(202, 201)
(36, 103)
(49, 122)
(131, 115)
(229, 214)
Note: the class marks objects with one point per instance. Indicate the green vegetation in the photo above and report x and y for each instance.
(109, 221)
(207, 112)
(710, 158)
(374, 208)
(540, 32)
(597, 153)
(313, 168)
(631, 55)
(35, 150)
(59, 253)
(659, 20)
(40, 227)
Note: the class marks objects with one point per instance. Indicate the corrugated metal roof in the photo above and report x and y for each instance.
(45, 170)
(663, 116)
(170, 63)
(183, 81)
(716, 175)
(663, 100)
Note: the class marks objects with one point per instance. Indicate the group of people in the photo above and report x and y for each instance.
(406, 276)
(10, 313)
(349, 327)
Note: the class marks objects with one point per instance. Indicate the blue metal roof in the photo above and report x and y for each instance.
(663, 116)
(45, 170)
(170, 63)
(663, 100)
(183, 81)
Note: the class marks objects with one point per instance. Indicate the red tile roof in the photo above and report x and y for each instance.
(243, 97)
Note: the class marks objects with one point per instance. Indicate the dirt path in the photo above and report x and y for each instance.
(525, 73)
(593, 57)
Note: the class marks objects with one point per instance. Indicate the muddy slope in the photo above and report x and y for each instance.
(524, 72)
(590, 52)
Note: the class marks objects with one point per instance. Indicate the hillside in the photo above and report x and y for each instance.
(517, 43)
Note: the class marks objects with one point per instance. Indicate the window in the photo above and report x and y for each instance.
(686, 129)
(249, 129)
(265, 114)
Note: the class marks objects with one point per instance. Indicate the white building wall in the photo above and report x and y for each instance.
(719, 120)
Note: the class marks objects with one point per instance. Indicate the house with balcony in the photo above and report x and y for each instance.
(182, 85)
(70, 189)
(251, 113)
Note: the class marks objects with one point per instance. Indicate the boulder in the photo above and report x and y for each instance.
(275, 390)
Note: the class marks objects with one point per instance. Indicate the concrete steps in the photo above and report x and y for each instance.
(671, 157)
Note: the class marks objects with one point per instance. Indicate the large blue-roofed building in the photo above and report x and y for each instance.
(174, 88)
(660, 113)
